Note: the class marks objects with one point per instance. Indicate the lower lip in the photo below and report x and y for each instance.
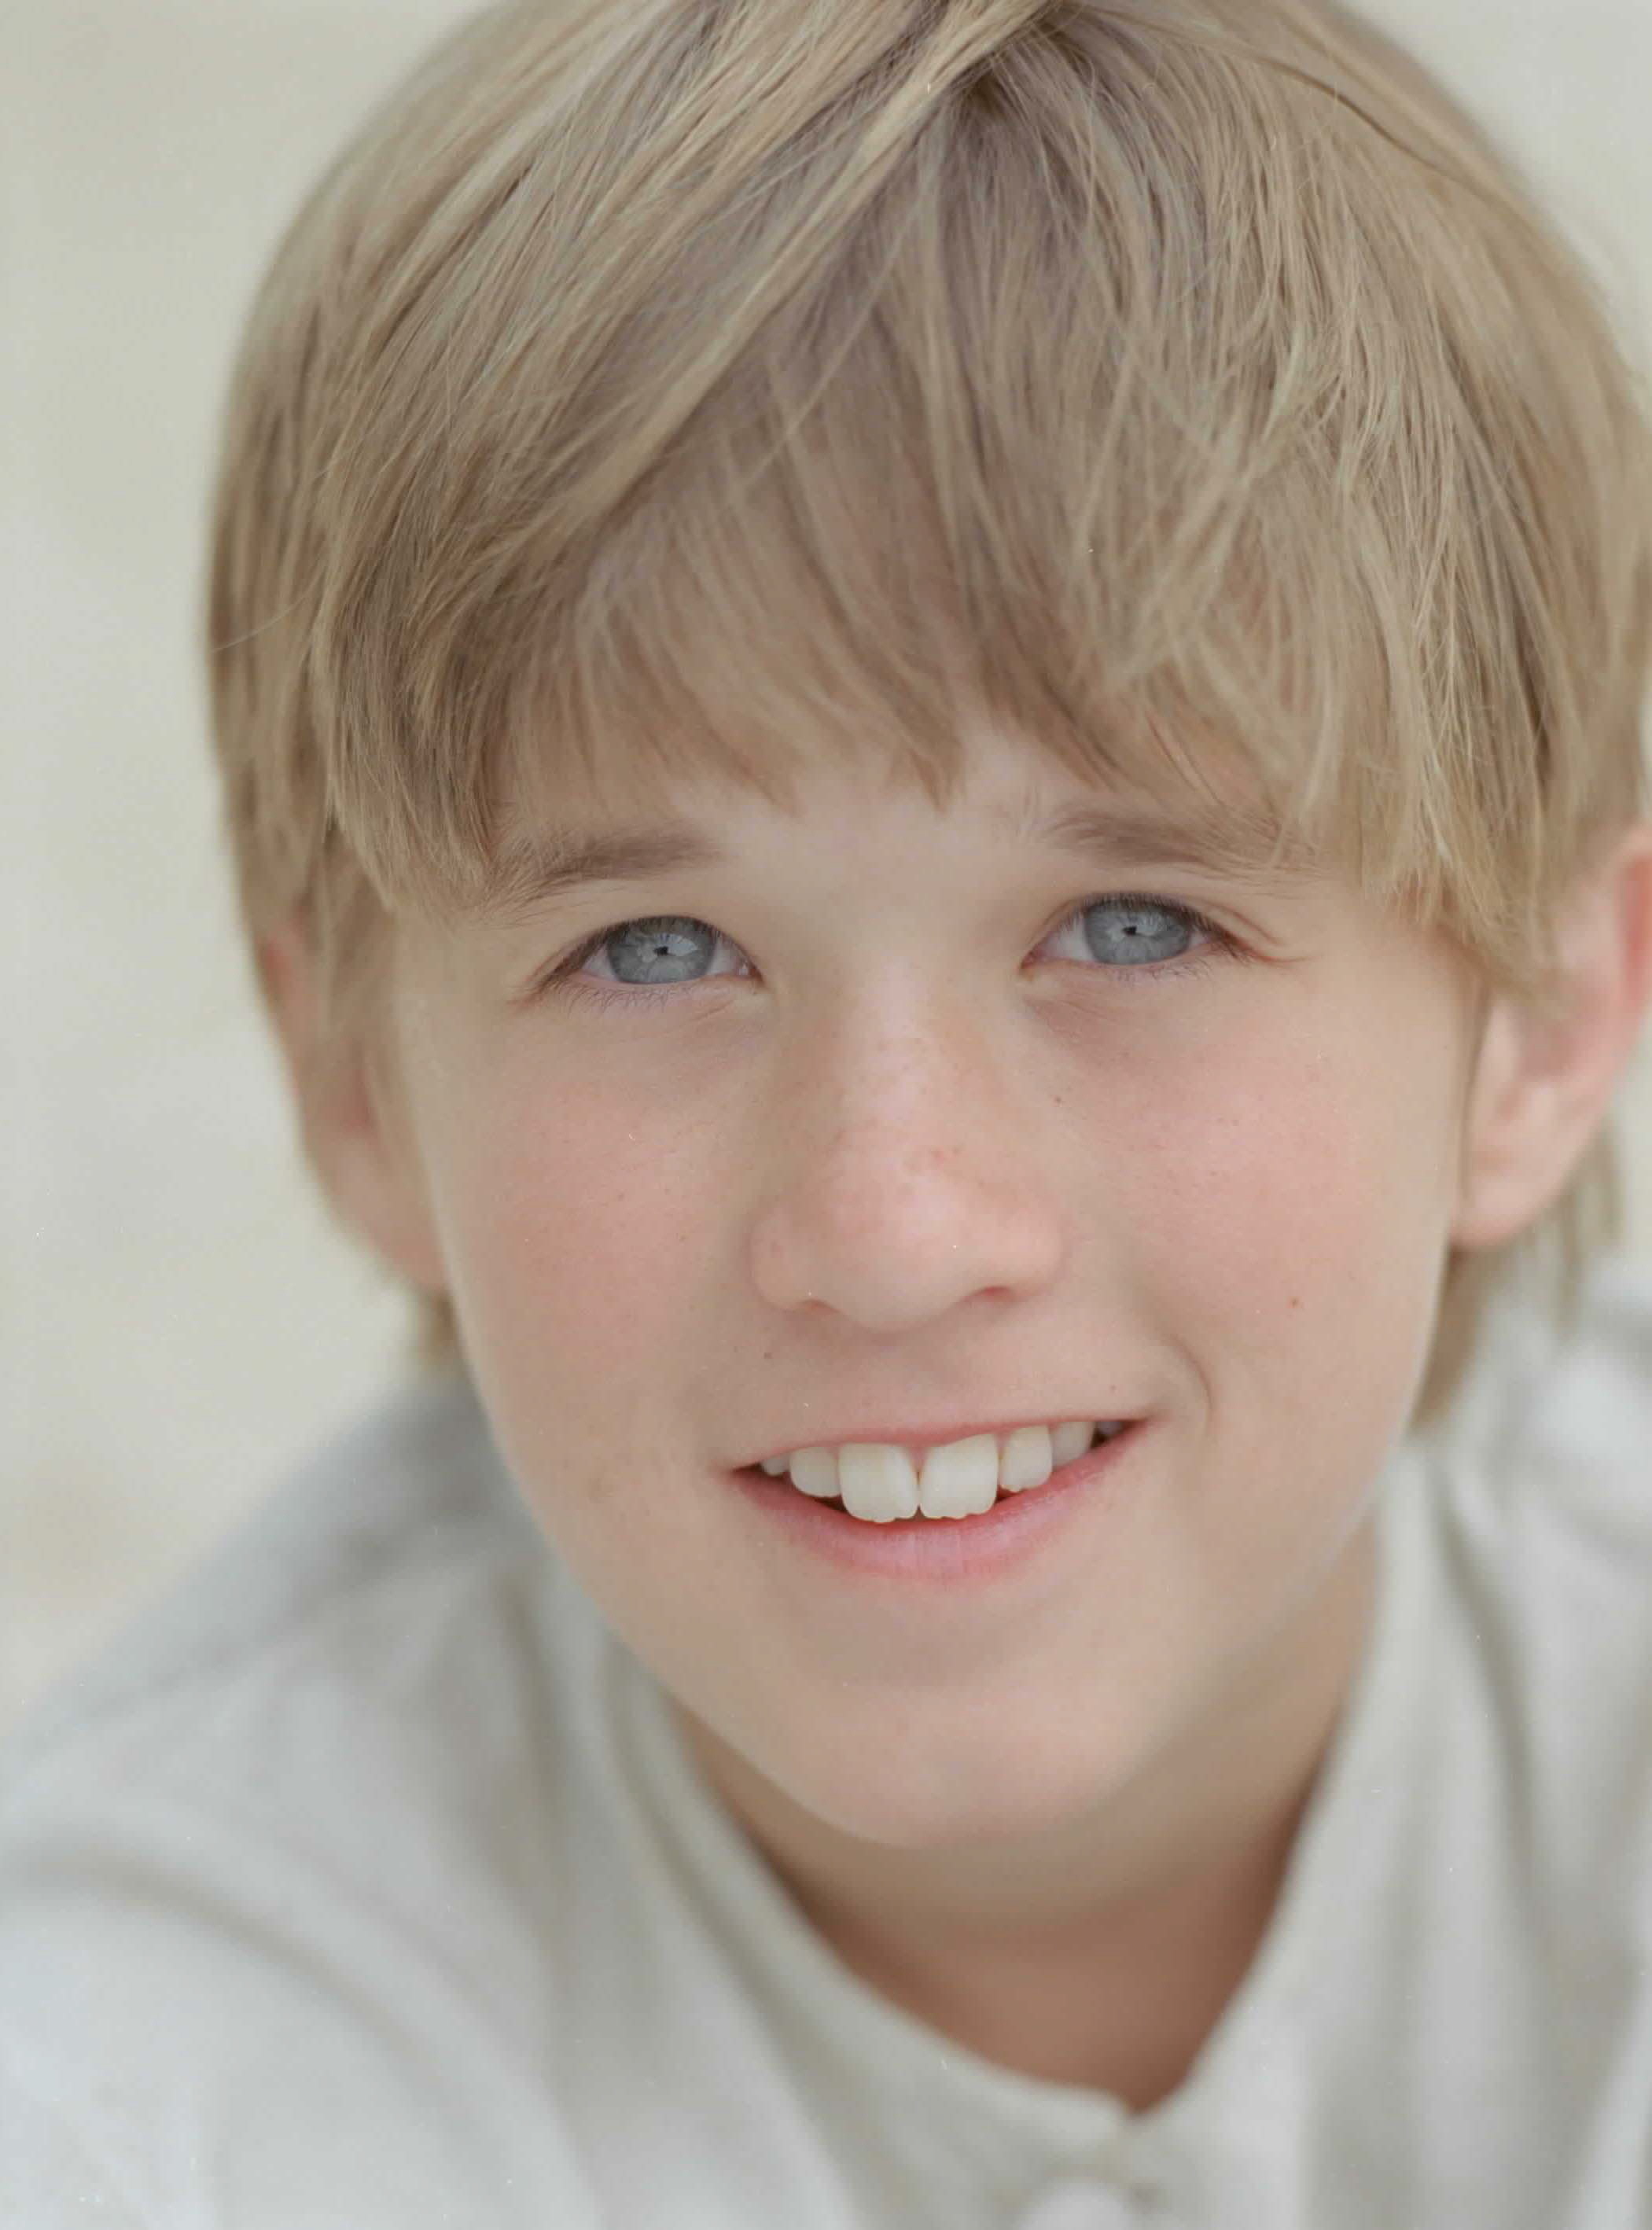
(947, 1551)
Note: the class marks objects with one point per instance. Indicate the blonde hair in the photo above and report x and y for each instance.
(696, 385)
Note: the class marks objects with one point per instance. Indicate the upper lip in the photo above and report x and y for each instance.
(926, 1436)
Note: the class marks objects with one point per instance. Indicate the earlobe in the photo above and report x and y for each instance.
(1543, 1085)
(353, 1121)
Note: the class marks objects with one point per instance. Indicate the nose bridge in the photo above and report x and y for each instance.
(907, 1178)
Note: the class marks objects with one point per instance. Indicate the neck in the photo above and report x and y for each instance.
(1122, 2001)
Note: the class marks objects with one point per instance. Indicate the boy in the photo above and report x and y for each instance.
(930, 717)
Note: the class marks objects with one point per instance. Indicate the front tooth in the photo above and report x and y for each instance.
(1029, 1458)
(961, 1480)
(876, 1483)
(813, 1470)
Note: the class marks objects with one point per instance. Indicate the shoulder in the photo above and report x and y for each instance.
(411, 1487)
(361, 1659)
(1557, 1424)
(266, 1869)
(51, 2178)
(1540, 1504)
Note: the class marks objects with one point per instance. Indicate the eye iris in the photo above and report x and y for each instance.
(649, 941)
(1131, 941)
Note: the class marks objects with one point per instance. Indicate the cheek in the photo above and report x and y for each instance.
(570, 1237)
(1297, 1219)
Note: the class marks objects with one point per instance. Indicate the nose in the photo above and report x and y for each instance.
(907, 1179)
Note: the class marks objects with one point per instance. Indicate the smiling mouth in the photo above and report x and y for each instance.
(1062, 1476)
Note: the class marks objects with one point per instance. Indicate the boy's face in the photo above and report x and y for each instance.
(927, 1132)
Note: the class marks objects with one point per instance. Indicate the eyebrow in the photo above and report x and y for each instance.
(539, 869)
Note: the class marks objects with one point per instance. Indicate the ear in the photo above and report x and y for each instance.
(354, 1120)
(1542, 1086)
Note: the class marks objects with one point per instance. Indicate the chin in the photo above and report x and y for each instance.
(917, 1794)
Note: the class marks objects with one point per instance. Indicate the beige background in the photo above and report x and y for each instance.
(179, 1321)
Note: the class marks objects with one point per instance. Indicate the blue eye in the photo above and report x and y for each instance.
(1131, 930)
(1128, 945)
(670, 941)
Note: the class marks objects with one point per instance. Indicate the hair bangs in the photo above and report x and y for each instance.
(939, 484)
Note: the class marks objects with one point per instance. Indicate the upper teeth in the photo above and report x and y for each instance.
(961, 1478)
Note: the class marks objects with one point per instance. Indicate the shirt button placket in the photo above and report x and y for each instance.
(1087, 2203)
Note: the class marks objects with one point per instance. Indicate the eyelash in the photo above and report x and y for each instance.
(561, 982)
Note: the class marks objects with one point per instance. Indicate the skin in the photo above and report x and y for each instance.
(903, 1145)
